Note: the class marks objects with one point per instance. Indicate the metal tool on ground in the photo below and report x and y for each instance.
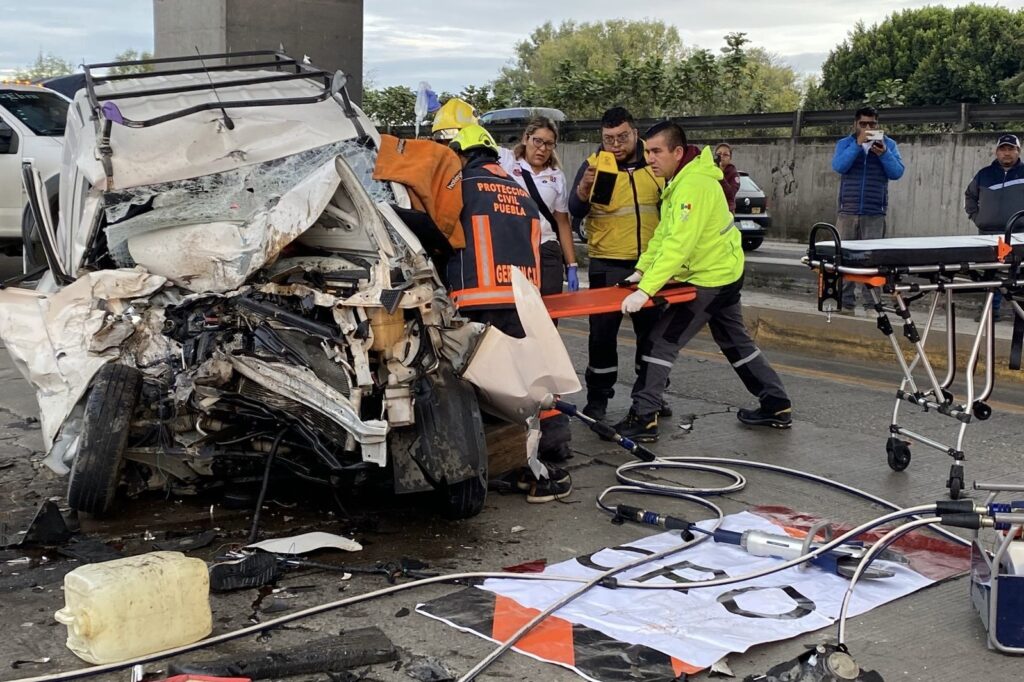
(843, 560)
(605, 431)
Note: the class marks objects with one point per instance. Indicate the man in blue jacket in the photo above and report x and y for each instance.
(867, 161)
(995, 194)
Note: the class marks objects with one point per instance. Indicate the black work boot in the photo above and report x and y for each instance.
(597, 405)
(639, 428)
(665, 412)
(779, 417)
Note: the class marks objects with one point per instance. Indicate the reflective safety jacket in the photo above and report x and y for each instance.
(502, 227)
(621, 229)
(697, 241)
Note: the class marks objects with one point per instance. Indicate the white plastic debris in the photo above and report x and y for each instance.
(307, 542)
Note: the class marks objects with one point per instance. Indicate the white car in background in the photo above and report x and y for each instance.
(32, 120)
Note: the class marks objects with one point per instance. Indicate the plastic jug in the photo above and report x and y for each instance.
(117, 610)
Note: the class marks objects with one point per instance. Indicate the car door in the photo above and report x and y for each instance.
(11, 193)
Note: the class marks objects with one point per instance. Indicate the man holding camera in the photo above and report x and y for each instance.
(867, 160)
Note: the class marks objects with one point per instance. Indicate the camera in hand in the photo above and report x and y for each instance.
(875, 136)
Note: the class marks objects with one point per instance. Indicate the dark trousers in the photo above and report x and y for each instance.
(552, 268)
(859, 227)
(603, 359)
(719, 308)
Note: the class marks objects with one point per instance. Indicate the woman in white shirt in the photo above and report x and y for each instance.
(534, 159)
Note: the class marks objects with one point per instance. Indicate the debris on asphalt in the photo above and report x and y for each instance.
(365, 646)
(402, 612)
(306, 543)
(46, 527)
(721, 669)
(89, 551)
(518, 529)
(30, 661)
(250, 570)
(429, 669)
(535, 566)
(821, 663)
(187, 543)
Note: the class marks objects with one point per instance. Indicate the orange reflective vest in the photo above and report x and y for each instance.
(502, 227)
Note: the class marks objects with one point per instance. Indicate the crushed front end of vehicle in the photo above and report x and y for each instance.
(244, 292)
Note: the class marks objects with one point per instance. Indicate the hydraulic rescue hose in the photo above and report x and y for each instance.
(607, 578)
(650, 461)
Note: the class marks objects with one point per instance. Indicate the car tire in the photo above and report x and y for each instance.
(109, 407)
(452, 449)
(752, 243)
(464, 500)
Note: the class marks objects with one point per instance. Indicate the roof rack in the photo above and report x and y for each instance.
(289, 68)
(105, 111)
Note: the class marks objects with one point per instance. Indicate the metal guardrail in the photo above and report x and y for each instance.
(960, 116)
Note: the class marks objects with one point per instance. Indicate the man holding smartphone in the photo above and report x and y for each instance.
(867, 160)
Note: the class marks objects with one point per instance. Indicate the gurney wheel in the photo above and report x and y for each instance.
(956, 485)
(898, 454)
(956, 481)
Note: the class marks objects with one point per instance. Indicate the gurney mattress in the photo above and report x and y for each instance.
(869, 253)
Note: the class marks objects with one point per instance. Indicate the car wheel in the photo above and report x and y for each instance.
(452, 449)
(464, 500)
(751, 243)
(108, 413)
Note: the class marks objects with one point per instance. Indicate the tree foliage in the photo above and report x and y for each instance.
(585, 68)
(933, 55)
(49, 65)
(390, 106)
(45, 66)
(131, 55)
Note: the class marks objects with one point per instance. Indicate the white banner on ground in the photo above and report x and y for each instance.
(700, 626)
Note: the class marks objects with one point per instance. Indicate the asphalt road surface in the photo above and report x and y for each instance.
(841, 414)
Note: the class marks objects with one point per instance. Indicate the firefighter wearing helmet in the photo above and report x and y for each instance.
(502, 227)
(453, 116)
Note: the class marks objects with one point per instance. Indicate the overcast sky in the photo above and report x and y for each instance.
(454, 43)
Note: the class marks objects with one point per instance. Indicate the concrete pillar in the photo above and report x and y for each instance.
(329, 32)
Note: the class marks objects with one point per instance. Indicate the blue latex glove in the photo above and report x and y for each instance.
(572, 277)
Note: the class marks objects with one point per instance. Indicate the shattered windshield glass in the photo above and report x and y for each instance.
(233, 196)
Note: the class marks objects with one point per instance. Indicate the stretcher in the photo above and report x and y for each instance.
(906, 270)
(609, 300)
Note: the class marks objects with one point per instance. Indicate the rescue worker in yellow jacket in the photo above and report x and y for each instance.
(502, 227)
(696, 242)
(617, 233)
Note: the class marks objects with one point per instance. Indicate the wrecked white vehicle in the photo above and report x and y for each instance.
(231, 293)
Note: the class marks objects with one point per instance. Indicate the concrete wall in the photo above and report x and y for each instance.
(180, 26)
(329, 32)
(801, 186)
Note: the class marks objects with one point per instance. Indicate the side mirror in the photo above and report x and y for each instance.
(8, 139)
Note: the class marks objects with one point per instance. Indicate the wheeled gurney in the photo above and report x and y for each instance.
(905, 270)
